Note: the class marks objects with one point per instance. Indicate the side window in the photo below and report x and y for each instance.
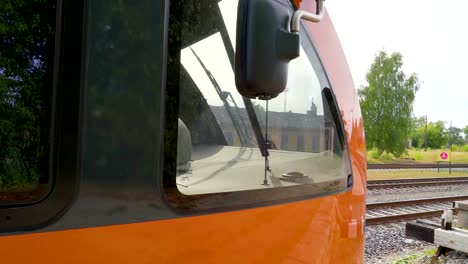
(40, 74)
(27, 35)
(228, 166)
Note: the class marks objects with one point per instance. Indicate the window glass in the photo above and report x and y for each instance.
(26, 62)
(221, 135)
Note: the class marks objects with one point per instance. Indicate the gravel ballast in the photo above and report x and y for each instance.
(387, 243)
(454, 257)
(400, 194)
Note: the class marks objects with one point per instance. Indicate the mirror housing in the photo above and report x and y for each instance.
(264, 47)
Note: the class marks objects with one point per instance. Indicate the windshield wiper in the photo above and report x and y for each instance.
(223, 96)
(262, 143)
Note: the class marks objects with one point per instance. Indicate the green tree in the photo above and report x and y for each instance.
(456, 137)
(387, 104)
(417, 135)
(465, 131)
(418, 122)
(437, 134)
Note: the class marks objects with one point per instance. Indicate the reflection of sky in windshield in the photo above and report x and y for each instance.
(229, 17)
(303, 87)
(213, 54)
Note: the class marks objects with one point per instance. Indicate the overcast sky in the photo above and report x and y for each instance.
(431, 35)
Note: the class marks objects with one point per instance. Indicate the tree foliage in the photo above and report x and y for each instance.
(387, 104)
(455, 136)
(26, 46)
(465, 131)
(418, 122)
(437, 134)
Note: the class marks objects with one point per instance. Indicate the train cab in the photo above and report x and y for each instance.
(175, 131)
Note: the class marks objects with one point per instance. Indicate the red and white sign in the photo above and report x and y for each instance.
(444, 155)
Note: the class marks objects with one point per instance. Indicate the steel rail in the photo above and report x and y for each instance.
(419, 182)
(405, 207)
(416, 202)
(400, 217)
(373, 166)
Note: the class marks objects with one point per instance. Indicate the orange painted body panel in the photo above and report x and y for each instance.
(302, 232)
(321, 230)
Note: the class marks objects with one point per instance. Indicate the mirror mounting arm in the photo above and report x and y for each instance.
(301, 14)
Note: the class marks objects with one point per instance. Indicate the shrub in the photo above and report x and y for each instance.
(460, 148)
(417, 156)
(386, 156)
(374, 154)
(456, 148)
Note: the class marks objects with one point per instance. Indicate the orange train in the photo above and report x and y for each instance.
(157, 131)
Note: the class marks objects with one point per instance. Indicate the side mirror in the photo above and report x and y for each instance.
(267, 40)
(264, 47)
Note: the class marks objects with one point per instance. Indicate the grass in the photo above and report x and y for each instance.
(18, 188)
(417, 156)
(414, 258)
(407, 174)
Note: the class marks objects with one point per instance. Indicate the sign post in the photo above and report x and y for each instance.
(445, 157)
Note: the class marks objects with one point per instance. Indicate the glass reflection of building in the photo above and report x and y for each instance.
(289, 131)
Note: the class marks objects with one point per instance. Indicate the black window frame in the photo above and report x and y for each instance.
(187, 204)
(66, 126)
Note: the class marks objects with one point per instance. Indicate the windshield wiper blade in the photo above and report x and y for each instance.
(262, 143)
(223, 96)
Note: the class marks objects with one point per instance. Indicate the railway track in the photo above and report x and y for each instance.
(387, 212)
(404, 183)
(416, 166)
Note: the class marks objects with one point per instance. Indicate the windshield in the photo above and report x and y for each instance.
(229, 143)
